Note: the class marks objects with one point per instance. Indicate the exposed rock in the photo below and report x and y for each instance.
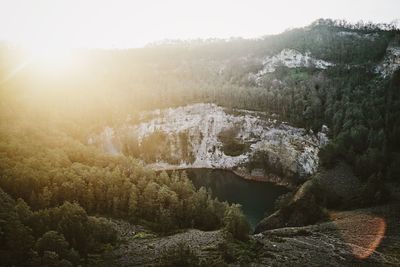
(206, 136)
(363, 237)
(369, 36)
(108, 136)
(147, 251)
(258, 172)
(391, 62)
(291, 58)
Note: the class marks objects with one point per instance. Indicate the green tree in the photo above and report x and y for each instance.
(236, 223)
(52, 241)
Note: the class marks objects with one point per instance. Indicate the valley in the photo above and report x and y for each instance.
(281, 150)
(257, 198)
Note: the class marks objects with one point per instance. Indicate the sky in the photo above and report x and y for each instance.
(134, 23)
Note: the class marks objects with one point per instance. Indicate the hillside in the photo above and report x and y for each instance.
(314, 108)
(329, 73)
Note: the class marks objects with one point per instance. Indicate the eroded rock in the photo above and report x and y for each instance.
(207, 136)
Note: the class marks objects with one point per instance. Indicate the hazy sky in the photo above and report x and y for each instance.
(118, 23)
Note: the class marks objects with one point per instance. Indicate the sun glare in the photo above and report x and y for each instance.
(51, 59)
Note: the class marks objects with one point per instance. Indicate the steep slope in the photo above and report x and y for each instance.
(206, 136)
(391, 61)
(289, 58)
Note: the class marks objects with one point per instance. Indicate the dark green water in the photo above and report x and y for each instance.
(256, 198)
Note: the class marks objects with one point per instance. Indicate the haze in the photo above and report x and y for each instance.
(121, 24)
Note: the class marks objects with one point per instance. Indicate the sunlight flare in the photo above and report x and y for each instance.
(50, 58)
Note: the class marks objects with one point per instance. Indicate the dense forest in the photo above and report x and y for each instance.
(58, 195)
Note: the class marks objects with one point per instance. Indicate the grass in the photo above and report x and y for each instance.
(144, 235)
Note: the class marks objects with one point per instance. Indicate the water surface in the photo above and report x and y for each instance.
(257, 198)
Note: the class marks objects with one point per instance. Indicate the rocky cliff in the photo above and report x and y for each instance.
(252, 144)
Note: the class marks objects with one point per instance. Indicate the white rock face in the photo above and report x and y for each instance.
(390, 63)
(108, 137)
(292, 59)
(293, 150)
(369, 36)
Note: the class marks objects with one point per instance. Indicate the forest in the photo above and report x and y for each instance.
(60, 197)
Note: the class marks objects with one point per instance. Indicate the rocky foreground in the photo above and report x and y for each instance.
(360, 237)
(302, 232)
(363, 237)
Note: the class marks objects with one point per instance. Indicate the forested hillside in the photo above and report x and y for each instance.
(55, 190)
(354, 95)
(46, 171)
